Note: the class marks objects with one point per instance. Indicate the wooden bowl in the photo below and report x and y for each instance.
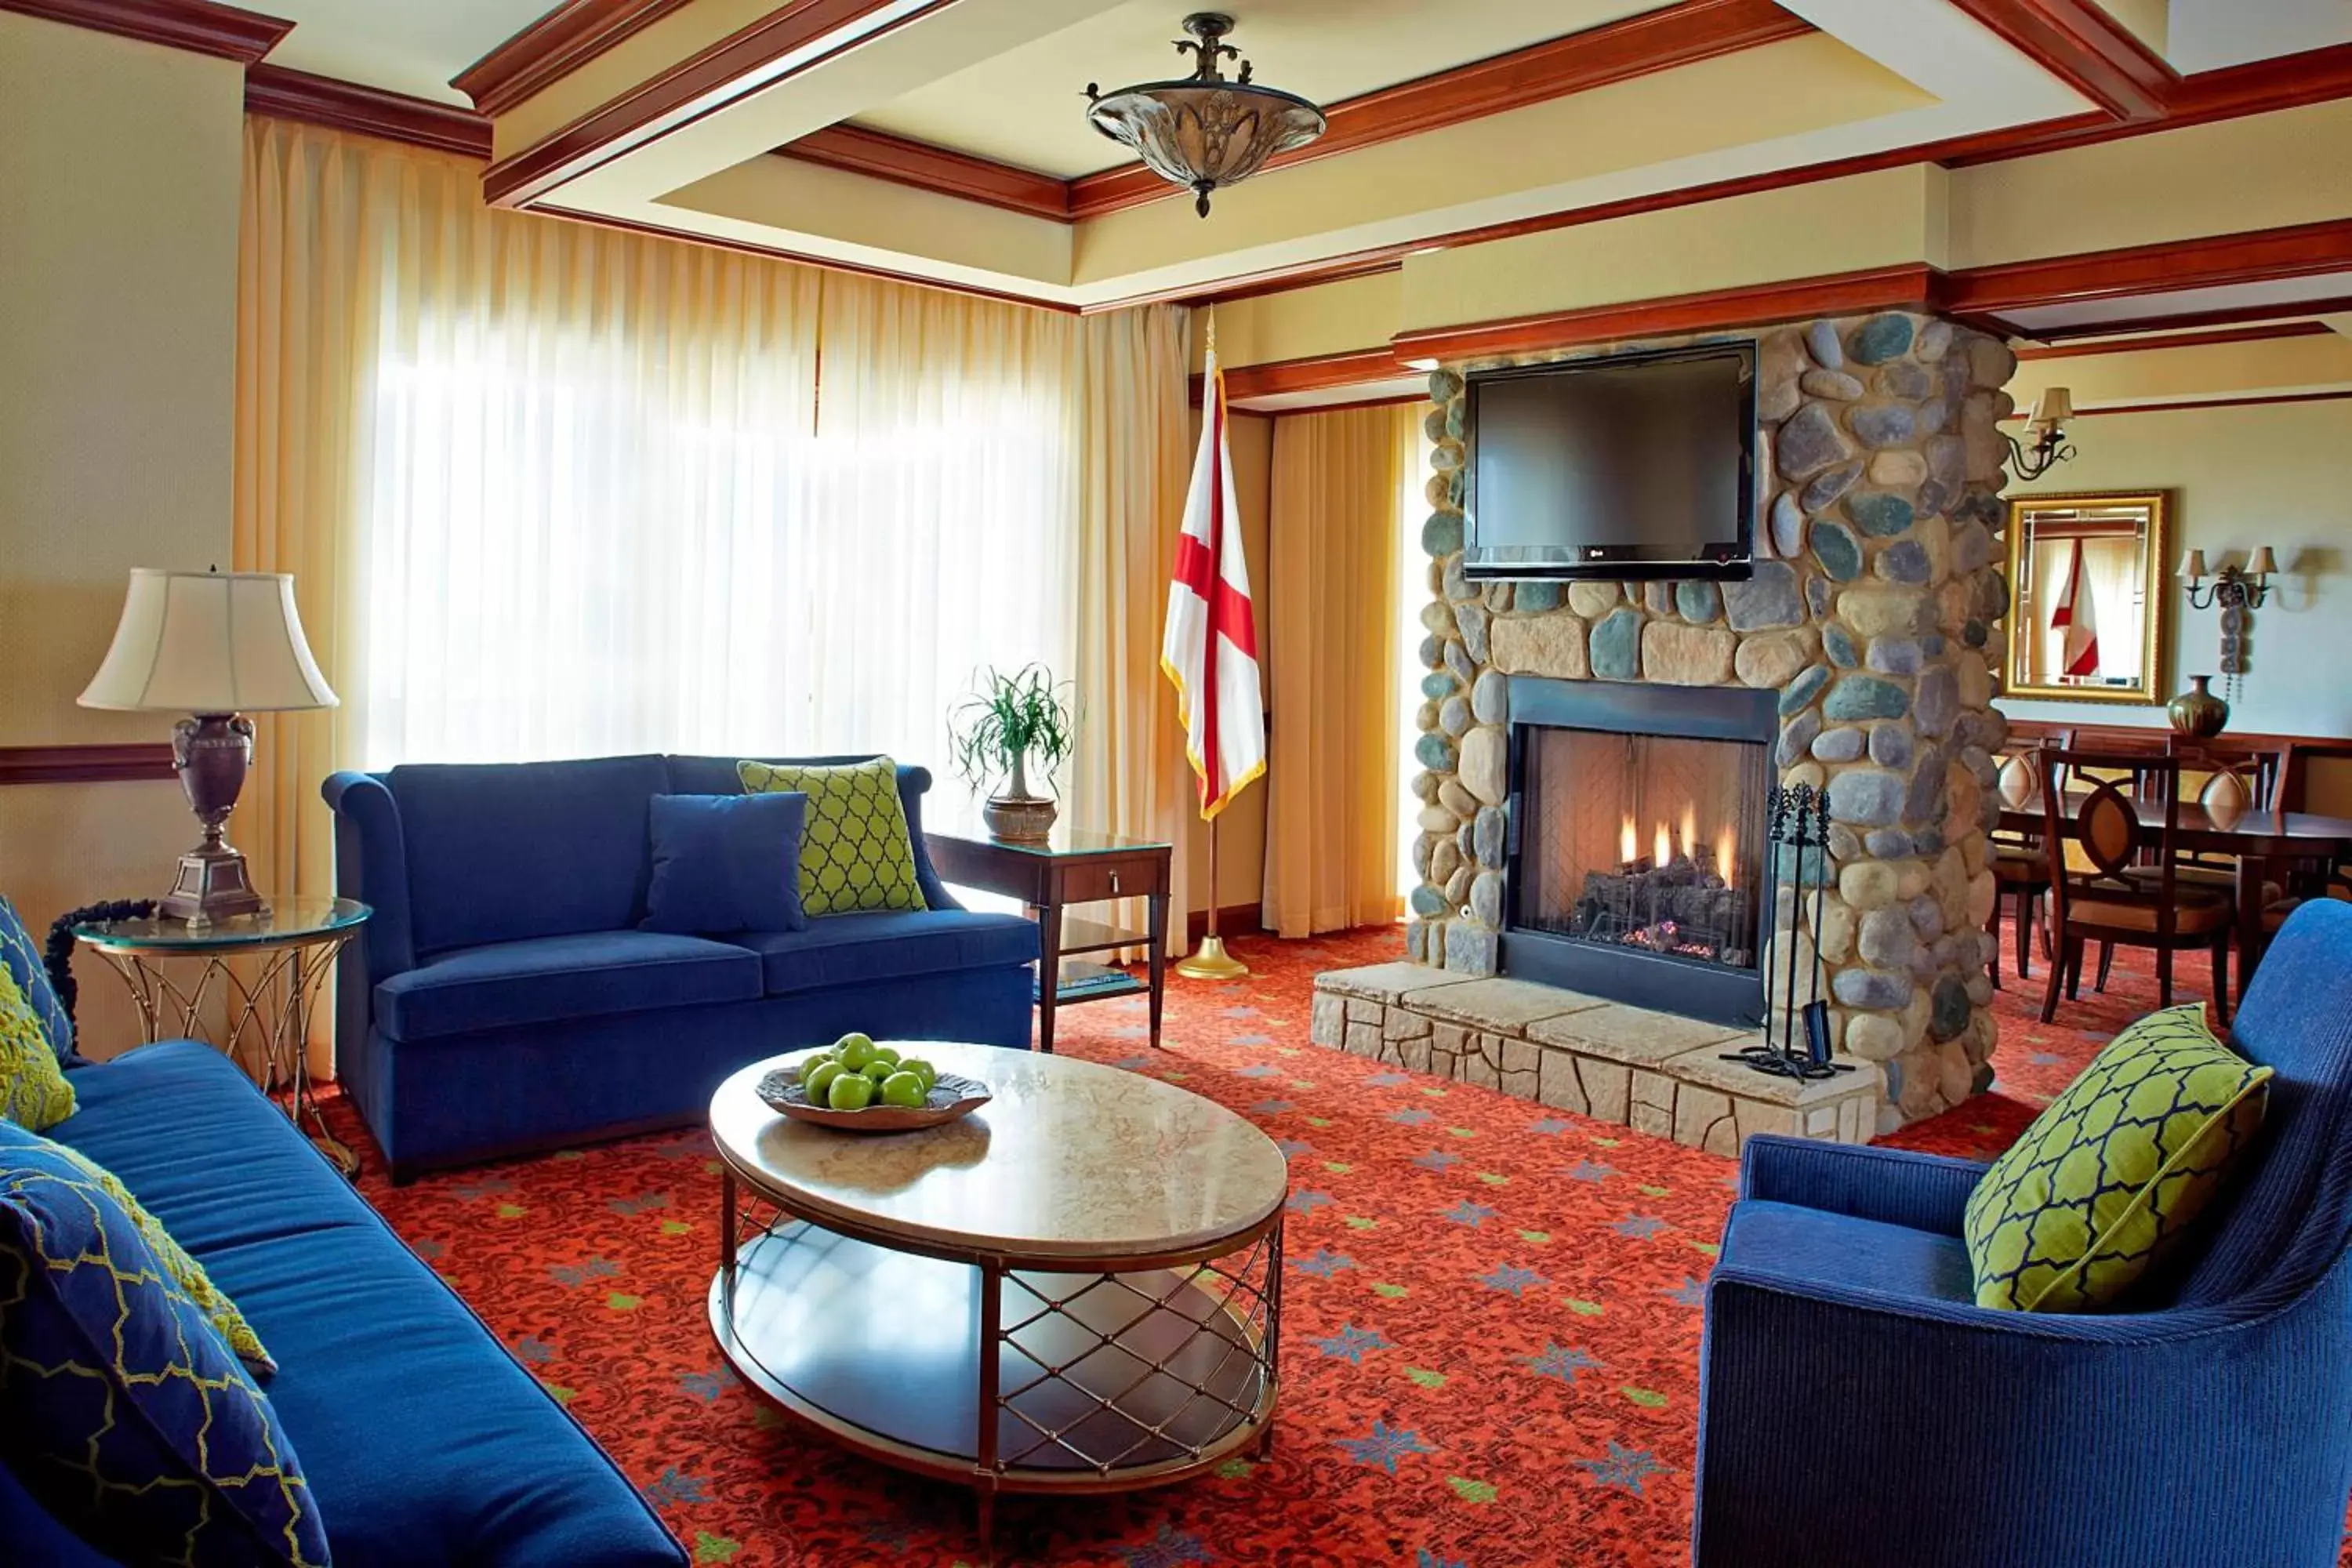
(952, 1100)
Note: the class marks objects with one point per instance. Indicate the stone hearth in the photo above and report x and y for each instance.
(1875, 597)
(1653, 1072)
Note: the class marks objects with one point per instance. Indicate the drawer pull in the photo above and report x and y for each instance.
(1114, 881)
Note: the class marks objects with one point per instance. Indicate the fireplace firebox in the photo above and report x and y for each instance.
(1637, 843)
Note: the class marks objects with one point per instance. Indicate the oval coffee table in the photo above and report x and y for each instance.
(1076, 1289)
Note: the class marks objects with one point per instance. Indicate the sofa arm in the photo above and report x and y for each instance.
(1924, 1191)
(372, 866)
(1841, 1427)
(913, 782)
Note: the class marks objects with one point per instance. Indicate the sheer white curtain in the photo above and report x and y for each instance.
(629, 495)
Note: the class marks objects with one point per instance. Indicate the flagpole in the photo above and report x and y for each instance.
(1212, 961)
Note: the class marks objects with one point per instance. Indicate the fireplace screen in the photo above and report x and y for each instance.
(1645, 841)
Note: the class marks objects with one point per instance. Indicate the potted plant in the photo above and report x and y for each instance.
(995, 731)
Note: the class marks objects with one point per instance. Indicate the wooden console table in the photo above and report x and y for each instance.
(1071, 868)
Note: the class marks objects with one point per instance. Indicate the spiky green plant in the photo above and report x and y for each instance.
(1008, 720)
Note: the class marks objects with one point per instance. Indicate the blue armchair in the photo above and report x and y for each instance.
(1857, 1408)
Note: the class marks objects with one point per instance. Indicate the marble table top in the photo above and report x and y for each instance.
(1070, 1160)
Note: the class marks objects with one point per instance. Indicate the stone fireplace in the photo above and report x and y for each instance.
(1593, 753)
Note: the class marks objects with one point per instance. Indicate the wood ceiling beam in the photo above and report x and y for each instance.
(2078, 42)
(794, 38)
(2157, 322)
(1316, 373)
(553, 47)
(199, 25)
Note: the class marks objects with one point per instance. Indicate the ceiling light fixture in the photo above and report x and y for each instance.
(1205, 130)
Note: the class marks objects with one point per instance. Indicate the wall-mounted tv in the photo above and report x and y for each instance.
(1637, 465)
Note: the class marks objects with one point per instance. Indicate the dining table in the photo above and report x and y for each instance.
(2265, 845)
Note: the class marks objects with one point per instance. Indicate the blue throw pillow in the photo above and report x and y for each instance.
(726, 863)
(22, 955)
(126, 1414)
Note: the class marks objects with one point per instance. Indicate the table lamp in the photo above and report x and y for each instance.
(217, 644)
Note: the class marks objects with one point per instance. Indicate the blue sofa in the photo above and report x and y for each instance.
(502, 999)
(1856, 1408)
(425, 1444)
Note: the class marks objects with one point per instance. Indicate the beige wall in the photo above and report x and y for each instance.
(2264, 473)
(119, 174)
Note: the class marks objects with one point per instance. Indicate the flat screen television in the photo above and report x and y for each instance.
(1638, 465)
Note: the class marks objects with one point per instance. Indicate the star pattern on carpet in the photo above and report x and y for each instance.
(1398, 1442)
(1383, 1447)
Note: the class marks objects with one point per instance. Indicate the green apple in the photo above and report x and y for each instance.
(904, 1089)
(931, 1075)
(817, 1078)
(885, 1054)
(855, 1051)
(850, 1091)
(877, 1072)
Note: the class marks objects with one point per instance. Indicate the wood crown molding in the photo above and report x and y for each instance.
(553, 47)
(2183, 320)
(932, 168)
(140, 763)
(2180, 404)
(1909, 287)
(1315, 372)
(200, 25)
(2260, 332)
(2078, 42)
(2168, 267)
(791, 39)
(370, 110)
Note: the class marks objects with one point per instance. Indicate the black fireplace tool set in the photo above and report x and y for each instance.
(1800, 826)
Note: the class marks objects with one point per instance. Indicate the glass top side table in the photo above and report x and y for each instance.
(269, 1001)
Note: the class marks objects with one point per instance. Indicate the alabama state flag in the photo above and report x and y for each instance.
(1210, 650)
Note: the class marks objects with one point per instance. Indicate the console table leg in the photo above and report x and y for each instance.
(1159, 926)
(1049, 974)
(990, 1403)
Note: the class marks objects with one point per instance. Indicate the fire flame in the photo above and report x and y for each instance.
(1690, 828)
(1663, 848)
(1726, 848)
(1629, 847)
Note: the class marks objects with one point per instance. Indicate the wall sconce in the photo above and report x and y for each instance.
(2046, 423)
(2231, 587)
(2236, 591)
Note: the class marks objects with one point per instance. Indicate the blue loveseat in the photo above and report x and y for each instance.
(425, 1444)
(503, 1000)
(1858, 1409)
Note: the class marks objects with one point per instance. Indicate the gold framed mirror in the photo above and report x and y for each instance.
(2089, 613)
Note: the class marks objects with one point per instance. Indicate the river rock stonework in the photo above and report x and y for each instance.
(1870, 613)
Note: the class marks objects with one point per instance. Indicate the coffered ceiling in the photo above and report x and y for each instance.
(1025, 105)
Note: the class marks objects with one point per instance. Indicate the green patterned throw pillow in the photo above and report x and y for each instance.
(856, 852)
(2115, 1169)
(33, 1091)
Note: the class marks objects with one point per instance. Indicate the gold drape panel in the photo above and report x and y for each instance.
(1332, 835)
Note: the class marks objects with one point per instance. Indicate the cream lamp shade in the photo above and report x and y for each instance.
(2263, 563)
(2051, 409)
(2192, 566)
(209, 642)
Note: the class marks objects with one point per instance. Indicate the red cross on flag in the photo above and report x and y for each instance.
(2078, 617)
(1210, 650)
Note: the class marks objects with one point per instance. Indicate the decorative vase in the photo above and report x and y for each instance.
(1018, 816)
(2197, 711)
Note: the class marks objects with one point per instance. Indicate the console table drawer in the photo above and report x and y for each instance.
(1092, 879)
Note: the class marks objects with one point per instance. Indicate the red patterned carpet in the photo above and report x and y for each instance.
(1490, 1331)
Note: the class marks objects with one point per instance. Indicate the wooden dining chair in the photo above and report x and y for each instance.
(2021, 871)
(2106, 903)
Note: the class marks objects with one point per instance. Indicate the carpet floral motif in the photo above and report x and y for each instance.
(1491, 1318)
